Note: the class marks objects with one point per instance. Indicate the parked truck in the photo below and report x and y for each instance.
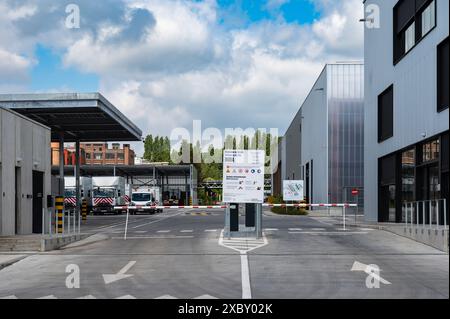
(70, 194)
(108, 192)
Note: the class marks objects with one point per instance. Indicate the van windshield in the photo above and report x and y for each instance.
(141, 197)
(104, 193)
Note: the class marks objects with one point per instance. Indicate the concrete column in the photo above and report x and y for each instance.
(61, 163)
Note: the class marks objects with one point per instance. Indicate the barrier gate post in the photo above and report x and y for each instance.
(59, 205)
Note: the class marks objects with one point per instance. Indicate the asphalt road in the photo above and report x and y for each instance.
(177, 255)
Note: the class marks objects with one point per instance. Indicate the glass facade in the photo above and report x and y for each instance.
(345, 132)
(408, 177)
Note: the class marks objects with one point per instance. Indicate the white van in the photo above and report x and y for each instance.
(144, 197)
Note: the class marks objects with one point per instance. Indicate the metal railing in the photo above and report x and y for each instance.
(426, 213)
(71, 222)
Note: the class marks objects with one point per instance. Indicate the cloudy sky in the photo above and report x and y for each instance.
(165, 63)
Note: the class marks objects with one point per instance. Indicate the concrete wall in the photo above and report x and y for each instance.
(314, 143)
(415, 94)
(24, 144)
(292, 143)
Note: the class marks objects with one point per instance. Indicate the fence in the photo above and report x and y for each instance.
(70, 224)
(431, 213)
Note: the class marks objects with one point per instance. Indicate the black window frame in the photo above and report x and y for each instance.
(385, 136)
(442, 87)
(398, 36)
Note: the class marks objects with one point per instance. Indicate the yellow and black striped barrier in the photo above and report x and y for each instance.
(84, 210)
(59, 206)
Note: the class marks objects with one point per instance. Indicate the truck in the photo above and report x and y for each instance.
(108, 192)
(145, 196)
(70, 195)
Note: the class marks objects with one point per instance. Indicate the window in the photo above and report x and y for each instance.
(110, 156)
(428, 18)
(410, 37)
(120, 156)
(443, 75)
(413, 20)
(386, 114)
(98, 156)
(430, 151)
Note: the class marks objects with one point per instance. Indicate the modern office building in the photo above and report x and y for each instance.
(25, 173)
(406, 107)
(324, 144)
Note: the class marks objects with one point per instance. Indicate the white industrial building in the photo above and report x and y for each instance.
(25, 173)
(406, 106)
(324, 144)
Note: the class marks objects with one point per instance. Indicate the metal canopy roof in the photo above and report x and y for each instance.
(88, 117)
(127, 170)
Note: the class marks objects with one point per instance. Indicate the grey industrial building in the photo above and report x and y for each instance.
(29, 123)
(324, 143)
(406, 107)
(25, 173)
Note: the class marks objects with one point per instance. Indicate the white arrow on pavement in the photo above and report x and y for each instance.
(167, 297)
(357, 266)
(48, 297)
(120, 275)
(126, 297)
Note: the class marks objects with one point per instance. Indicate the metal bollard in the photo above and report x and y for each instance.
(59, 205)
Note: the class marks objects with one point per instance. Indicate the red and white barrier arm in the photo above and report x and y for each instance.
(225, 206)
(310, 205)
(168, 207)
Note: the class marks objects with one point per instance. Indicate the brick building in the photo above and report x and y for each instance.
(96, 154)
(101, 154)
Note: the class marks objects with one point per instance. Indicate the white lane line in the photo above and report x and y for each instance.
(140, 231)
(156, 221)
(210, 230)
(156, 237)
(186, 231)
(245, 277)
(295, 229)
(87, 297)
(166, 297)
(316, 229)
(163, 231)
(270, 229)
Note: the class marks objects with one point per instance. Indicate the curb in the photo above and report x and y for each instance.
(12, 261)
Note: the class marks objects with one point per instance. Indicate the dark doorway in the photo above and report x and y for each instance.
(387, 204)
(307, 183)
(17, 198)
(38, 195)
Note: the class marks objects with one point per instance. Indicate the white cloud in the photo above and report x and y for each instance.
(183, 64)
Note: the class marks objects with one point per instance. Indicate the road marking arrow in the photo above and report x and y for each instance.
(166, 297)
(48, 297)
(368, 269)
(120, 275)
(126, 297)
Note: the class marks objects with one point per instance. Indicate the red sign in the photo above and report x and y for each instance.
(355, 192)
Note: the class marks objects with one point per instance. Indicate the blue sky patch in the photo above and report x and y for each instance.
(49, 73)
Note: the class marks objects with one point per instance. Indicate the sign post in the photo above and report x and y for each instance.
(355, 192)
(243, 183)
